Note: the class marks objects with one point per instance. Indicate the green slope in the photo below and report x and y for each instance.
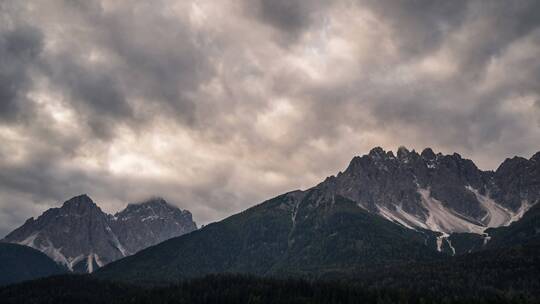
(20, 263)
(298, 233)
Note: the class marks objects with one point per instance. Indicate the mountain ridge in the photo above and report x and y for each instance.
(80, 236)
(406, 187)
(383, 209)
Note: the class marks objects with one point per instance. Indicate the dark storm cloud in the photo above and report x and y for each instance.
(420, 26)
(94, 93)
(219, 105)
(19, 49)
(448, 112)
(290, 18)
(155, 59)
(484, 34)
(165, 62)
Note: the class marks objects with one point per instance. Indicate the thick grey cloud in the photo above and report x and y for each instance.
(219, 105)
(290, 18)
(19, 49)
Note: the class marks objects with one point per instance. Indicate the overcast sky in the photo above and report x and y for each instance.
(219, 105)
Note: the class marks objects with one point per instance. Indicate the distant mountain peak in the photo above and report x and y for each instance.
(428, 154)
(418, 190)
(402, 152)
(156, 201)
(377, 152)
(79, 200)
(79, 203)
(154, 205)
(82, 237)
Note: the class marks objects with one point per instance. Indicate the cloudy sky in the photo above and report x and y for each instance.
(218, 105)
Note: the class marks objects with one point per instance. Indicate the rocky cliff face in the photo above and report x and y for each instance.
(442, 193)
(148, 223)
(82, 237)
(516, 183)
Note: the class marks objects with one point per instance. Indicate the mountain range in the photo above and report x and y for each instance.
(384, 209)
(81, 237)
(386, 220)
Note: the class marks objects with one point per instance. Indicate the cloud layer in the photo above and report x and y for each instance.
(217, 105)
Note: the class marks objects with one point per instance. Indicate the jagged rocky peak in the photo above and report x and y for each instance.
(410, 158)
(428, 154)
(82, 200)
(444, 193)
(402, 153)
(150, 222)
(518, 181)
(379, 159)
(79, 204)
(512, 163)
(430, 158)
(153, 207)
(78, 232)
(377, 152)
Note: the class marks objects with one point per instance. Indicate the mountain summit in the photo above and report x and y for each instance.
(150, 222)
(444, 193)
(82, 237)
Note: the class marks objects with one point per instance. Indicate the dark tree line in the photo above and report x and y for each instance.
(235, 289)
(506, 275)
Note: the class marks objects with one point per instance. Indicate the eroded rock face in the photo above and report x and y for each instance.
(148, 223)
(517, 180)
(444, 193)
(82, 237)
